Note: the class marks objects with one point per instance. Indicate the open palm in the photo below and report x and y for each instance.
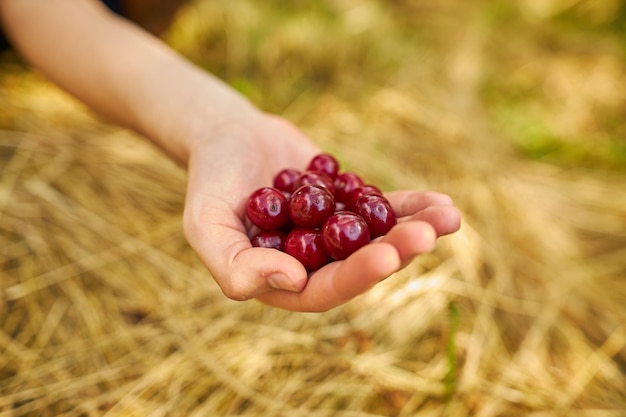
(237, 160)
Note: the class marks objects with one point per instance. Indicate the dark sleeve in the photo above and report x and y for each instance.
(114, 5)
(4, 43)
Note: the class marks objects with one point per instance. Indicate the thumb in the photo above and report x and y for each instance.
(242, 271)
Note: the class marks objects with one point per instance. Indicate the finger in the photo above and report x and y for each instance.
(242, 271)
(444, 219)
(411, 239)
(406, 203)
(339, 282)
(432, 207)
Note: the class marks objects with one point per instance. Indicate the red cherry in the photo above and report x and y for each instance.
(344, 183)
(306, 246)
(285, 179)
(325, 163)
(367, 189)
(267, 208)
(310, 206)
(377, 213)
(344, 233)
(315, 178)
(274, 239)
(306, 214)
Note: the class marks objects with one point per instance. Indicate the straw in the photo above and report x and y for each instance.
(106, 311)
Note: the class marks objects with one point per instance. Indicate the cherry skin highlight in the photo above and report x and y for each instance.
(325, 163)
(344, 233)
(377, 213)
(315, 178)
(310, 206)
(273, 239)
(339, 207)
(267, 208)
(306, 246)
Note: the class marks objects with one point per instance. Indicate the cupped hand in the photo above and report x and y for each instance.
(224, 169)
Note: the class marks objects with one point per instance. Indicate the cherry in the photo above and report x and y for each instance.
(344, 183)
(306, 246)
(267, 208)
(354, 195)
(274, 239)
(325, 163)
(377, 213)
(310, 206)
(315, 178)
(343, 233)
(286, 179)
(319, 214)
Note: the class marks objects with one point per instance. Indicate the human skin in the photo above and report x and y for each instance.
(228, 146)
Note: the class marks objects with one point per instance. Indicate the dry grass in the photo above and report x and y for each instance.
(106, 311)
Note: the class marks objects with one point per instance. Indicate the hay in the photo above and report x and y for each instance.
(106, 310)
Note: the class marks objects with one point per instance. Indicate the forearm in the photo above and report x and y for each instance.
(121, 72)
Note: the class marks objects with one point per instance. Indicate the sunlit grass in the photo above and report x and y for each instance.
(515, 110)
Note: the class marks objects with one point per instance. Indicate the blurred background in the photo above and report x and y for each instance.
(515, 109)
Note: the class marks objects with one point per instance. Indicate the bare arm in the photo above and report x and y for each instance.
(229, 147)
(120, 71)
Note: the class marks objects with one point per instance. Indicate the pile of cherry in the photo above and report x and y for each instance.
(320, 214)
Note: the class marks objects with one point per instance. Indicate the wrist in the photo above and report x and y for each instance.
(196, 108)
(206, 125)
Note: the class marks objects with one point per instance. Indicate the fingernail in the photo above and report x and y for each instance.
(280, 281)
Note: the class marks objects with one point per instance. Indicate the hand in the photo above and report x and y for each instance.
(230, 150)
(236, 161)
